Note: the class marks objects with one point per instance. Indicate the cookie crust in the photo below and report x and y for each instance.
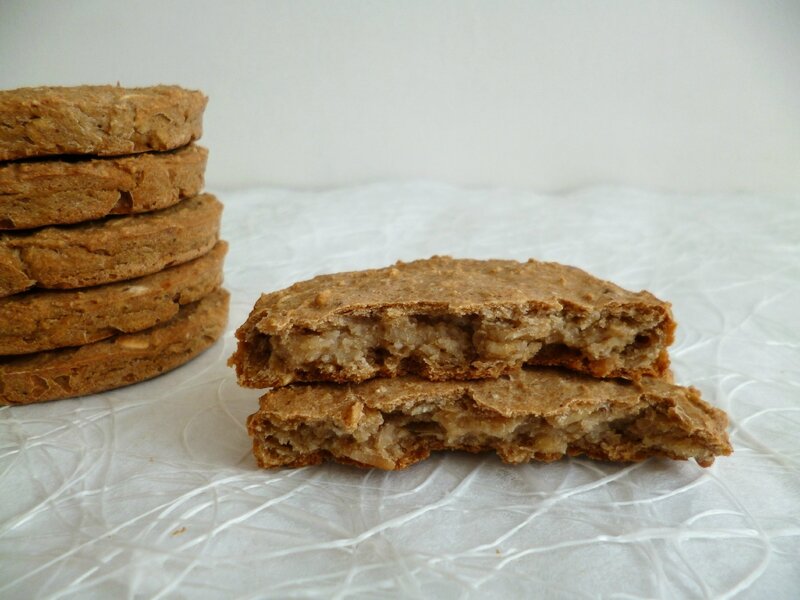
(117, 361)
(108, 250)
(101, 120)
(534, 414)
(57, 192)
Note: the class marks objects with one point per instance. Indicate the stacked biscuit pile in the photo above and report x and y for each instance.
(110, 259)
(532, 360)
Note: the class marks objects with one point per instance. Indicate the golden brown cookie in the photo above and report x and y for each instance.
(445, 318)
(112, 249)
(101, 120)
(534, 414)
(36, 321)
(116, 361)
(54, 192)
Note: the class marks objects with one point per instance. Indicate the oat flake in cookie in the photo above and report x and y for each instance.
(100, 120)
(445, 318)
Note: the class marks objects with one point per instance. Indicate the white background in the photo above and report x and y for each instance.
(688, 96)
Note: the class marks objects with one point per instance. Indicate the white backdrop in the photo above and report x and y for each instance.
(680, 95)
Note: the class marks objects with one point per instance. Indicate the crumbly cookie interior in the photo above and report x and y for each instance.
(397, 439)
(356, 347)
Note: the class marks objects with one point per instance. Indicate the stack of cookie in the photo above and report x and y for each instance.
(531, 360)
(110, 259)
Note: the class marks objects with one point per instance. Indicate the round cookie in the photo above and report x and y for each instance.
(112, 249)
(38, 321)
(56, 192)
(102, 120)
(116, 361)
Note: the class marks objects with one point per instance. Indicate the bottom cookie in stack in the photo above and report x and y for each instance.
(116, 361)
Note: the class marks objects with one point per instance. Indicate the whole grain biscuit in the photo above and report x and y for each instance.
(36, 321)
(116, 361)
(445, 318)
(54, 192)
(534, 414)
(101, 120)
(108, 250)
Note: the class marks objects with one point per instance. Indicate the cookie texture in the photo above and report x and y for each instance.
(108, 250)
(445, 318)
(37, 321)
(533, 414)
(116, 361)
(99, 120)
(55, 192)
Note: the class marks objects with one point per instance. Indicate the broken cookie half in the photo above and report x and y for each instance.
(532, 414)
(444, 318)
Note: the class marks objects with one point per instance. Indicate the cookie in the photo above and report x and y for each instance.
(534, 414)
(445, 318)
(37, 321)
(116, 361)
(112, 249)
(101, 120)
(55, 192)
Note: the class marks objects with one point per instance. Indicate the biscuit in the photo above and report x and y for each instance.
(101, 120)
(445, 318)
(56, 192)
(112, 249)
(116, 361)
(533, 414)
(37, 321)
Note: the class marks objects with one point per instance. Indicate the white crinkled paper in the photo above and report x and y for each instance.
(151, 491)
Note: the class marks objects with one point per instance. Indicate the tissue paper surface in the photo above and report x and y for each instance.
(151, 490)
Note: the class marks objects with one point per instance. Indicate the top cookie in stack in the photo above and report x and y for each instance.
(110, 263)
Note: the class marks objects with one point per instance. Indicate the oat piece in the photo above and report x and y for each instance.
(36, 321)
(534, 414)
(57, 192)
(112, 249)
(101, 120)
(446, 318)
(116, 361)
